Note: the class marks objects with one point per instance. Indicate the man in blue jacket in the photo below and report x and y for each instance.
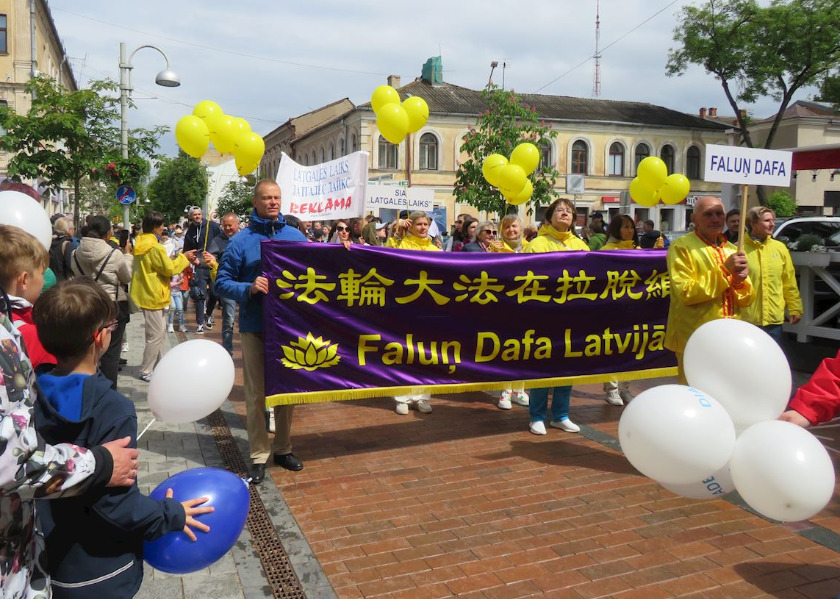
(241, 279)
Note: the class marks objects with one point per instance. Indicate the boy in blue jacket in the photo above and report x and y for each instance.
(95, 542)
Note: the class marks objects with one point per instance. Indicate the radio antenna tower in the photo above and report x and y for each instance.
(596, 85)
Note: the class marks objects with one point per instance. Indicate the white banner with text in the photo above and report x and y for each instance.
(334, 189)
(748, 166)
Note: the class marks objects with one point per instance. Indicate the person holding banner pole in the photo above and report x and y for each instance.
(555, 235)
(240, 278)
(415, 236)
(709, 278)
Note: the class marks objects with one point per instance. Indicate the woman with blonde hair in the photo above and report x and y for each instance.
(413, 234)
(555, 235)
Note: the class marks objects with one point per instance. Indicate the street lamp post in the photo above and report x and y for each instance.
(166, 78)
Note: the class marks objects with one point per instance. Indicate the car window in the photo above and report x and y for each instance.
(828, 232)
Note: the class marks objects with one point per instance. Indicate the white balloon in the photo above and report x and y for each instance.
(676, 434)
(782, 471)
(740, 366)
(190, 381)
(714, 486)
(22, 211)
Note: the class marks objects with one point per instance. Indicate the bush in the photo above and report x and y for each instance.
(807, 241)
(782, 203)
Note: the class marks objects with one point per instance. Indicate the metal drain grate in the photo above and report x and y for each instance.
(276, 565)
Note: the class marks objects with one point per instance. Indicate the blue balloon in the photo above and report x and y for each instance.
(174, 552)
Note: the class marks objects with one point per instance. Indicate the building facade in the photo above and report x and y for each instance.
(602, 140)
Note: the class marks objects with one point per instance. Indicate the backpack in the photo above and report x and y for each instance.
(60, 258)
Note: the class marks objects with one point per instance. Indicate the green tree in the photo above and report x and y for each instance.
(179, 182)
(782, 203)
(757, 51)
(237, 198)
(830, 91)
(68, 137)
(507, 122)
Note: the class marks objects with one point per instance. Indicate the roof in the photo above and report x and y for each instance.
(803, 108)
(447, 98)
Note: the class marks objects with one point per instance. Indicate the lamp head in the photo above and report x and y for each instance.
(168, 78)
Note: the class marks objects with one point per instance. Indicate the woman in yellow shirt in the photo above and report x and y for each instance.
(555, 235)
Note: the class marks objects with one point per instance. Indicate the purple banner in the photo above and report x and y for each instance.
(367, 322)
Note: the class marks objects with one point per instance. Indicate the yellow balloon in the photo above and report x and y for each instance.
(526, 155)
(418, 113)
(675, 189)
(249, 148)
(512, 179)
(490, 168)
(192, 135)
(392, 120)
(642, 195)
(241, 124)
(382, 95)
(223, 134)
(207, 108)
(652, 173)
(246, 168)
(523, 196)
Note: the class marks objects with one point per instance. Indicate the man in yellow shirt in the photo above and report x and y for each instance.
(709, 278)
(771, 273)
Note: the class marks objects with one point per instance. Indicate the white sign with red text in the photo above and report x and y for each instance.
(328, 191)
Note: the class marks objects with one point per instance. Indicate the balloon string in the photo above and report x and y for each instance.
(145, 429)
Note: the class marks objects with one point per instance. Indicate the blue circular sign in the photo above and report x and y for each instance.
(126, 195)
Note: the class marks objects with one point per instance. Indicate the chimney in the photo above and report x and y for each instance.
(702, 113)
(712, 112)
(394, 81)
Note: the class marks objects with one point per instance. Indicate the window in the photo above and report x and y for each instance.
(616, 164)
(667, 156)
(546, 160)
(322, 156)
(314, 161)
(354, 143)
(4, 47)
(642, 152)
(692, 163)
(342, 146)
(332, 151)
(388, 154)
(428, 152)
(580, 157)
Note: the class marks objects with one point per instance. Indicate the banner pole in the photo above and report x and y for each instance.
(745, 190)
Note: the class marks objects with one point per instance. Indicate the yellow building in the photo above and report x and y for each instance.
(602, 140)
(29, 45)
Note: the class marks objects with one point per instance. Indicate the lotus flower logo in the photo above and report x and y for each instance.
(310, 353)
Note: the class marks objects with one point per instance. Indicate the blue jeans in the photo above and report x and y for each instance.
(559, 403)
(176, 304)
(775, 331)
(228, 317)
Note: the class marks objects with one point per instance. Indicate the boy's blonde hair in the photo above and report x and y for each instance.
(69, 315)
(19, 252)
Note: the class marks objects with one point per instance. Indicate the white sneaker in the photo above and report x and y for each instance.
(504, 404)
(402, 408)
(199, 329)
(565, 425)
(614, 398)
(125, 347)
(537, 427)
(423, 406)
(520, 398)
(183, 328)
(170, 329)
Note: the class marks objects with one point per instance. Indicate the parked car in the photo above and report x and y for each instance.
(809, 231)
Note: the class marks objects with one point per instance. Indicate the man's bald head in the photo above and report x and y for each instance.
(708, 217)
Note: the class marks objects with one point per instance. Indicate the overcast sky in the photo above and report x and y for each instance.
(268, 61)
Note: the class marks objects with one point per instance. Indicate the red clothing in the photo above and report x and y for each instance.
(187, 277)
(22, 319)
(819, 399)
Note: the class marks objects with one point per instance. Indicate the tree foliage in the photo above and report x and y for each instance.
(67, 137)
(507, 122)
(782, 203)
(757, 51)
(237, 198)
(179, 182)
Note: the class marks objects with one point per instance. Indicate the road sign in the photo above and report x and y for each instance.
(575, 184)
(126, 195)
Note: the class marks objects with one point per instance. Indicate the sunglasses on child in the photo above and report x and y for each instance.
(341, 228)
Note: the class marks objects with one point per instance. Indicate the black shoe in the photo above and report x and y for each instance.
(288, 461)
(257, 473)
(123, 361)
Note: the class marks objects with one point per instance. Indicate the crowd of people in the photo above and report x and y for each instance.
(64, 312)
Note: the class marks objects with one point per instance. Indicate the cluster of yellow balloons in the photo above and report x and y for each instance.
(653, 183)
(395, 120)
(229, 135)
(511, 176)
